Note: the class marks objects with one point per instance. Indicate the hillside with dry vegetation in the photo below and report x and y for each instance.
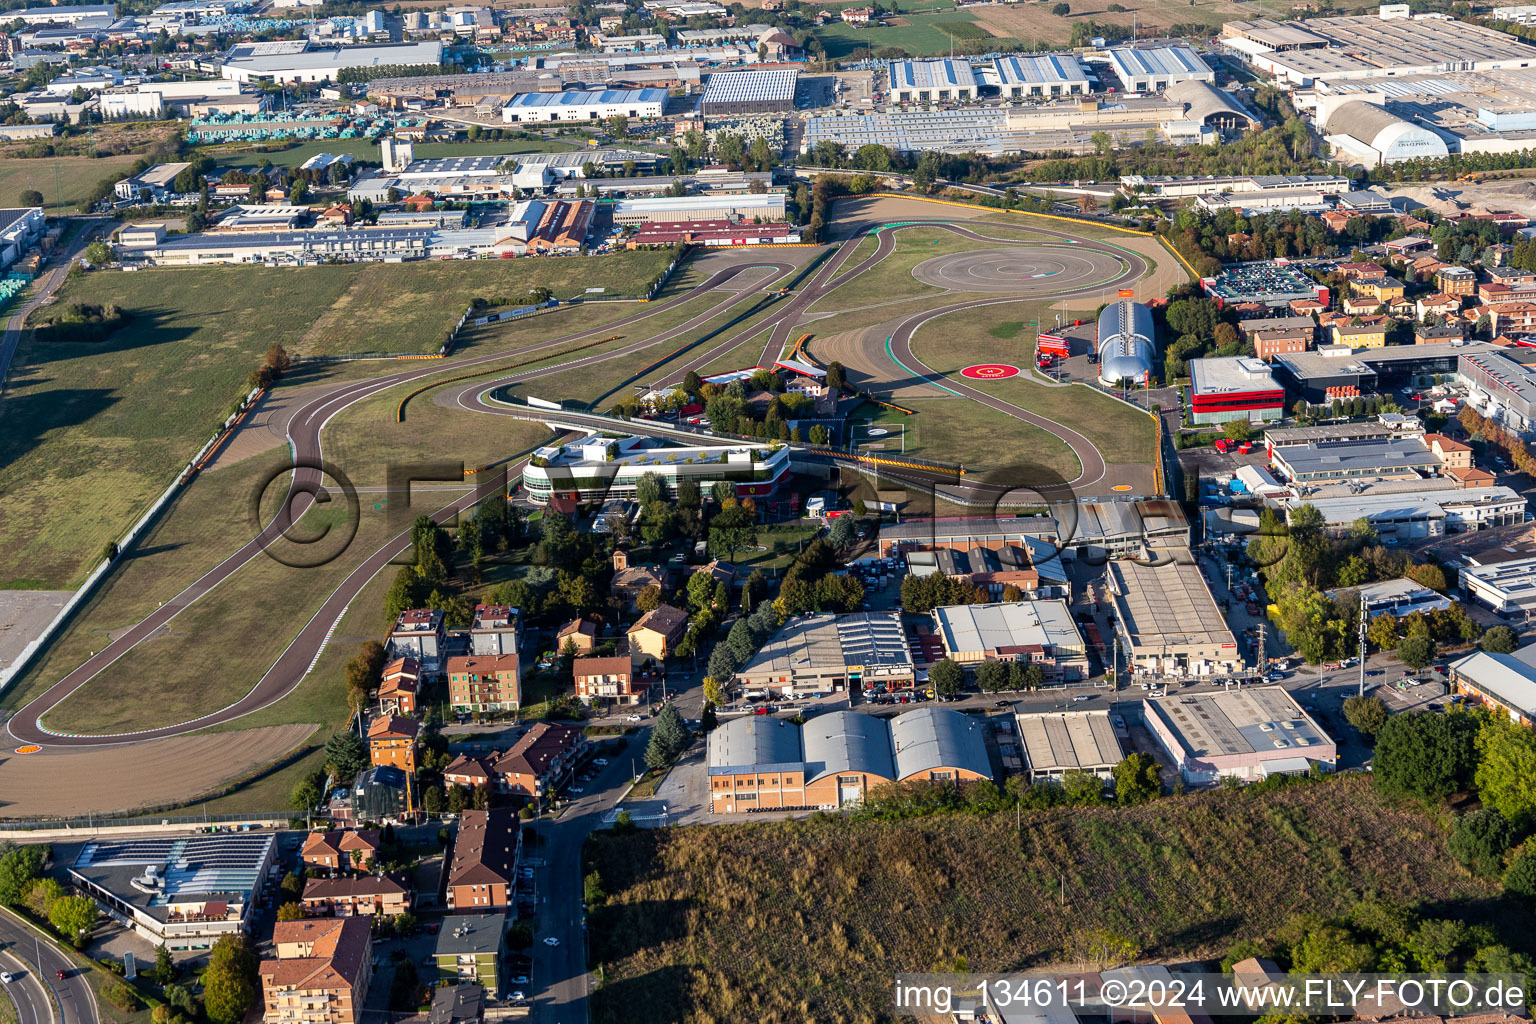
(781, 922)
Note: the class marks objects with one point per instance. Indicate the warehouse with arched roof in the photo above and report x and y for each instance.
(1209, 105)
(938, 745)
(1372, 135)
(1126, 347)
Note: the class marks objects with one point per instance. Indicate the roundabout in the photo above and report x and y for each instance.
(1023, 270)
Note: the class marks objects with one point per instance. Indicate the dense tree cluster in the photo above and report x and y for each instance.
(813, 584)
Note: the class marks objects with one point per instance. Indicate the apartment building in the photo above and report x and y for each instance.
(357, 848)
(607, 680)
(494, 631)
(392, 741)
(400, 687)
(538, 761)
(365, 895)
(482, 873)
(320, 973)
(484, 683)
(419, 633)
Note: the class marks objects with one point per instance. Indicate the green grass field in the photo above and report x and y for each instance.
(63, 180)
(950, 343)
(925, 34)
(242, 155)
(892, 279)
(91, 432)
(962, 432)
(790, 922)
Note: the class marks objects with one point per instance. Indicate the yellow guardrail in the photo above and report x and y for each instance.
(400, 409)
(879, 460)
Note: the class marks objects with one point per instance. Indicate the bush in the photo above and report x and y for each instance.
(79, 321)
(1501, 640)
(121, 995)
(1480, 841)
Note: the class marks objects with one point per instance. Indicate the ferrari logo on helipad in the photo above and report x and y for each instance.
(990, 371)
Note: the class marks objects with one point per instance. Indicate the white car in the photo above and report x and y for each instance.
(576, 789)
(550, 940)
(1079, 698)
(635, 718)
(6, 977)
(601, 762)
(517, 997)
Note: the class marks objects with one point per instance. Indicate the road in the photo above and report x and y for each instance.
(75, 998)
(47, 285)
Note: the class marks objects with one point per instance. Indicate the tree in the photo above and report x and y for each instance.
(180, 998)
(836, 376)
(19, 865)
(290, 912)
(1416, 652)
(98, 254)
(1237, 430)
(1138, 779)
(74, 917)
(1061, 10)
(731, 529)
(991, 676)
(1366, 714)
(1425, 756)
(1501, 640)
(164, 971)
(229, 984)
(1480, 840)
(840, 533)
(1331, 948)
(649, 599)
(1082, 789)
(345, 756)
(669, 738)
(714, 691)
(31, 197)
(1506, 770)
(278, 361)
(298, 195)
(946, 677)
(649, 490)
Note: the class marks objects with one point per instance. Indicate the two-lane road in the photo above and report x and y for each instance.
(43, 962)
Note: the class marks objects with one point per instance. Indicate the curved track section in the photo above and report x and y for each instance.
(1025, 271)
(304, 430)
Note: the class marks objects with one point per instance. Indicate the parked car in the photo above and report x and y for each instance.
(549, 940)
(601, 762)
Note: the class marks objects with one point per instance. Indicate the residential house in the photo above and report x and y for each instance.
(1450, 334)
(1359, 305)
(1512, 276)
(630, 581)
(1336, 220)
(470, 951)
(368, 895)
(468, 770)
(1361, 271)
(320, 972)
(463, 1003)
(1457, 281)
(336, 849)
(392, 741)
(606, 679)
(338, 216)
(857, 15)
(1279, 335)
(539, 760)
(400, 687)
(1401, 307)
(419, 633)
(482, 872)
(495, 630)
(658, 633)
(1364, 335)
(1383, 289)
(484, 684)
(1452, 454)
(580, 632)
(1512, 317)
(1440, 304)
(1306, 307)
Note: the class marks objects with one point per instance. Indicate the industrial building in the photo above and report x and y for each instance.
(20, 228)
(964, 534)
(1397, 597)
(1038, 632)
(1224, 388)
(180, 891)
(1508, 588)
(1418, 509)
(1505, 683)
(596, 105)
(1127, 345)
(1058, 743)
(760, 762)
(767, 207)
(1249, 734)
(1343, 461)
(1171, 187)
(1302, 54)
(599, 468)
(749, 92)
(352, 244)
(1500, 388)
(151, 184)
(1335, 371)
(305, 61)
(931, 81)
(1210, 106)
(1034, 76)
(1388, 424)
(1155, 69)
(1168, 622)
(826, 653)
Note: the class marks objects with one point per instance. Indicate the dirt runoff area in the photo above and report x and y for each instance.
(61, 782)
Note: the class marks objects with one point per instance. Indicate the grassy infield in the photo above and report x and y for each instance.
(127, 447)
